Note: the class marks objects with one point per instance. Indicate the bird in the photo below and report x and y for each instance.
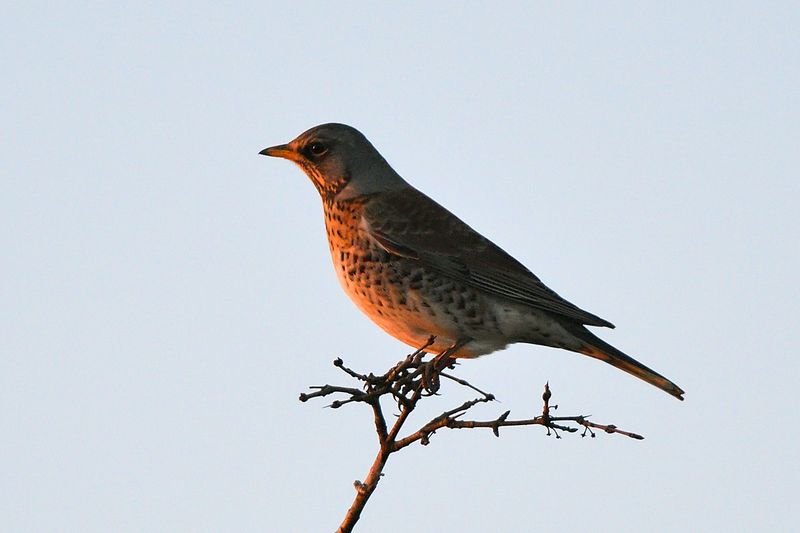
(420, 272)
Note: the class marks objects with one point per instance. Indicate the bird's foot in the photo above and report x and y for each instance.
(433, 368)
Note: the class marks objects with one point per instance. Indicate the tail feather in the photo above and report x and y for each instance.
(599, 349)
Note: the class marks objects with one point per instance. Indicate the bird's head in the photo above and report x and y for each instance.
(340, 161)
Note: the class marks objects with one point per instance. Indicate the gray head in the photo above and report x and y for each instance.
(340, 161)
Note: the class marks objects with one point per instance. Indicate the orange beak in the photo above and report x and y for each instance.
(283, 151)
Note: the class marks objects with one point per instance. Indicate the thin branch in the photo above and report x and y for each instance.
(423, 434)
(325, 390)
(364, 491)
(380, 421)
(407, 383)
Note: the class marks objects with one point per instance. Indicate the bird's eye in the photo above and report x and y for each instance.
(317, 148)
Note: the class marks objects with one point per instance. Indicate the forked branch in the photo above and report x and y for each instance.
(413, 379)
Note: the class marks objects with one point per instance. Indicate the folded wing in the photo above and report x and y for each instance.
(411, 225)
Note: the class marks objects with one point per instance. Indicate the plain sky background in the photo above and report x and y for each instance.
(166, 293)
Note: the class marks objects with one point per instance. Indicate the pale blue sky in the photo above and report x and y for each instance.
(166, 293)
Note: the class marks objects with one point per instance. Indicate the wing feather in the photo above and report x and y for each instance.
(409, 224)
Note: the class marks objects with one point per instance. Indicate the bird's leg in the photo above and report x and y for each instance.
(430, 374)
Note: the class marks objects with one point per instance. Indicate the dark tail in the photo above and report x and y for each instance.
(600, 349)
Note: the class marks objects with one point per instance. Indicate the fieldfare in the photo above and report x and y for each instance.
(418, 271)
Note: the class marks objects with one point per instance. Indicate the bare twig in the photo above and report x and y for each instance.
(407, 383)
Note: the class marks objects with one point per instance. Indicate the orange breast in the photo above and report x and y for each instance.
(380, 284)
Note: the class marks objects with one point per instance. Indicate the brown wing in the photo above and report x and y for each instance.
(409, 224)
